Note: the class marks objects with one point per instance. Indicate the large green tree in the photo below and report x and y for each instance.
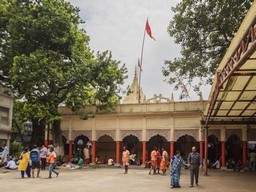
(204, 29)
(46, 60)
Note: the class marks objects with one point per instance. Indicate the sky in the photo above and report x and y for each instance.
(118, 26)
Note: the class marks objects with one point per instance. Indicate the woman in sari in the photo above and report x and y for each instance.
(164, 161)
(175, 170)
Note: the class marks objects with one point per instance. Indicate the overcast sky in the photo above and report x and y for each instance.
(118, 26)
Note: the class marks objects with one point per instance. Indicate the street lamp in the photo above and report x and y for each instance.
(27, 134)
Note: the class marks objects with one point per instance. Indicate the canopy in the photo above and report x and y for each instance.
(233, 93)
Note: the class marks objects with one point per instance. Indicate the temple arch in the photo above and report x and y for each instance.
(184, 144)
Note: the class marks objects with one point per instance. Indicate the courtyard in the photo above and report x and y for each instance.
(113, 179)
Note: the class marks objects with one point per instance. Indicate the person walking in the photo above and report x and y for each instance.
(164, 161)
(35, 161)
(158, 160)
(176, 170)
(153, 156)
(125, 159)
(43, 155)
(194, 164)
(51, 159)
(24, 163)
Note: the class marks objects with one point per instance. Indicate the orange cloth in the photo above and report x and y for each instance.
(153, 156)
(163, 164)
(51, 158)
(126, 157)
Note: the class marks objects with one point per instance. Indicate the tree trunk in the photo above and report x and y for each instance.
(56, 133)
(38, 132)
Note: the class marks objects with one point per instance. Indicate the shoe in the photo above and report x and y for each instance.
(49, 177)
(196, 184)
(57, 174)
(191, 186)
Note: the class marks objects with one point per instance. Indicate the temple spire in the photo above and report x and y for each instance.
(134, 93)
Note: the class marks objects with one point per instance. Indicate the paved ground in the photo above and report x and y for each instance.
(113, 180)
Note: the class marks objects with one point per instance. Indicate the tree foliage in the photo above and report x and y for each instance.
(204, 29)
(47, 60)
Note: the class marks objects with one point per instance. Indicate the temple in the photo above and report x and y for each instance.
(222, 127)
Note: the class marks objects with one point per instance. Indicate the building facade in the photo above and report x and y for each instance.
(158, 121)
(6, 110)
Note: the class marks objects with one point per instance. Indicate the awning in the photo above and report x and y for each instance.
(233, 93)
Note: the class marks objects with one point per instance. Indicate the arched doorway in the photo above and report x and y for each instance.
(133, 144)
(105, 148)
(157, 141)
(213, 148)
(184, 144)
(79, 144)
(234, 148)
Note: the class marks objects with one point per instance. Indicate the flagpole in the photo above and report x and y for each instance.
(141, 57)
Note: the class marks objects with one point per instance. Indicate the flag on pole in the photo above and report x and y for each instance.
(148, 29)
(139, 65)
(185, 90)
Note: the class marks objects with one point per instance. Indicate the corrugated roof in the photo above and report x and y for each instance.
(233, 93)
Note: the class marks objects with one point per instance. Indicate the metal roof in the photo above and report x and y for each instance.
(233, 93)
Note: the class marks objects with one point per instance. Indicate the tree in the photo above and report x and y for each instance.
(204, 29)
(48, 62)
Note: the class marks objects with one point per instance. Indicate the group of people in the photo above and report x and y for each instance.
(176, 163)
(37, 159)
(158, 161)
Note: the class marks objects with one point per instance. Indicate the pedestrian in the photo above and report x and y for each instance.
(24, 163)
(153, 157)
(125, 159)
(194, 164)
(252, 160)
(51, 159)
(164, 161)
(35, 161)
(86, 153)
(158, 160)
(43, 155)
(175, 170)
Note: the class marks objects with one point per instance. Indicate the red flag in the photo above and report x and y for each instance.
(148, 29)
(139, 65)
(185, 90)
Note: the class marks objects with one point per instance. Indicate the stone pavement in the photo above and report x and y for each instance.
(113, 180)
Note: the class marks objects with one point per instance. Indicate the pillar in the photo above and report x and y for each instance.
(144, 148)
(244, 153)
(70, 149)
(93, 151)
(201, 149)
(223, 161)
(171, 149)
(117, 152)
(205, 151)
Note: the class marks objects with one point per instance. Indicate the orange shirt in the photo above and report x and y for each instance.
(153, 155)
(164, 155)
(126, 155)
(51, 158)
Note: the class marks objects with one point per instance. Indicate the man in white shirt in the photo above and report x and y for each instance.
(11, 164)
